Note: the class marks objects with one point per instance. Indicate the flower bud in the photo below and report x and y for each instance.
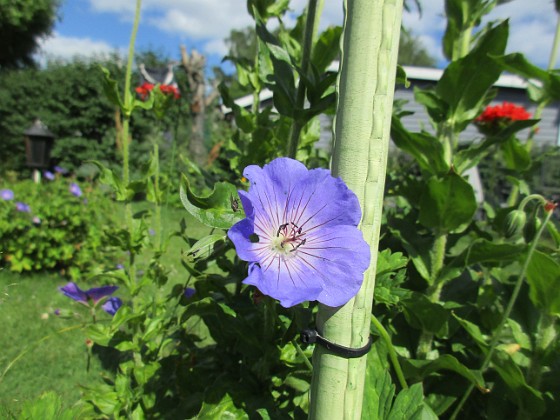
(514, 223)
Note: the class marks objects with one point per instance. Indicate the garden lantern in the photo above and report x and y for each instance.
(38, 144)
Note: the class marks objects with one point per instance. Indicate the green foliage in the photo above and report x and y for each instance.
(22, 24)
(60, 232)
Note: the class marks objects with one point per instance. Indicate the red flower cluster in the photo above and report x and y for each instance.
(145, 89)
(505, 112)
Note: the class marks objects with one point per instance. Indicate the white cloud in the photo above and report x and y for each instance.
(217, 47)
(63, 47)
(532, 23)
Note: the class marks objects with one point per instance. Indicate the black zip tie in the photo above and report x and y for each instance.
(310, 336)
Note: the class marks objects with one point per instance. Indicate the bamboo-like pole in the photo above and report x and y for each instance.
(361, 131)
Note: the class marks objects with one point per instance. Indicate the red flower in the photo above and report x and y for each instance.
(144, 90)
(170, 90)
(505, 112)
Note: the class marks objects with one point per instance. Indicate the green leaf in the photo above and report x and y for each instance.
(543, 276)
(516, 156)
(204, 247)
(223, 410)
(408, 403)
(108, 177)
(111, 89)
(214, 210)
(525, 396)
(422, 368)
(48, 406)
(424, 147)
(518, 64)
(423, 314)
(379, 389)
(326, 48)
(447, 203)
(465, 82)
(401, 77)
(436, 107)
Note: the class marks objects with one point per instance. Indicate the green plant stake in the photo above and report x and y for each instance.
(361, 130)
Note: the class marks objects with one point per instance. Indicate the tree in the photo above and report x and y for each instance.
(412, 52)
(22, 24)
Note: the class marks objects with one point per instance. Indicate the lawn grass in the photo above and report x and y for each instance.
(36, 356)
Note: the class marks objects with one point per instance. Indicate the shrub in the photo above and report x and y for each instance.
(55, 225)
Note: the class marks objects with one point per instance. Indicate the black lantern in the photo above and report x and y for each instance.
(38, 144)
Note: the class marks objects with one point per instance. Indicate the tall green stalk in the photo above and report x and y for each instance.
(365, 89)
(125, 131)
(312, 23)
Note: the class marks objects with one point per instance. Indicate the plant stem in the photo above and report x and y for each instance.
(125, 135)
(303, 356)
(546, 334)
(498, 333)
(392, 353)
(157, 203)
(311, 25)
(365, 89)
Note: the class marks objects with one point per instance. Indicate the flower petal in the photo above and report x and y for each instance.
(74, 292)
(98, 293)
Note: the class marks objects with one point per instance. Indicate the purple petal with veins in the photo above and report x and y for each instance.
(300, 234)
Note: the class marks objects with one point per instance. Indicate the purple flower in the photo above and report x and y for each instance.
(24, 208)
(189, 292)
(112, 305)
(119, 267)
(151, 232)
(57, 312)
(6, 195)
(60, 170)
(49, 175)
(94, 294)
(75, 190)
(300, 234)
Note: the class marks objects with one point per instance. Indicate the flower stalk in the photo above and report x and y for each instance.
(365, 89)
(125, 131)
(312, 23)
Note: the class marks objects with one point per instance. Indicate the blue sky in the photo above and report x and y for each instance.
(94, 27)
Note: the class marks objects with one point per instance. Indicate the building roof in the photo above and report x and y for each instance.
(412, 73)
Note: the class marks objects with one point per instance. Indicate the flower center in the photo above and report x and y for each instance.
(289, 237)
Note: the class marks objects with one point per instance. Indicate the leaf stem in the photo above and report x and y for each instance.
(392, 353)
(498, 332)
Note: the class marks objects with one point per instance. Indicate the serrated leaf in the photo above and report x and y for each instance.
(111, 88)
(214, 210)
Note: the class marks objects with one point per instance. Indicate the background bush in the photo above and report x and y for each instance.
(60, 231)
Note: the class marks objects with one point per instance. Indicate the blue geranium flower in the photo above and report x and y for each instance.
(75, 189)
(300, 234)
(112, 305)
(93, 295)
(49, 175)
(7, 195)
(22, 207)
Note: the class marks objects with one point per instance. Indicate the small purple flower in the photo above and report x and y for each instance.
(112, 305)
(189, 292)
(119, 267)
(300, 234)
(57, 312)
(94, 294)
(49, 175)
(75, 190)
(60, 170)
(151, 232)
(6, 195)
(22, 207)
